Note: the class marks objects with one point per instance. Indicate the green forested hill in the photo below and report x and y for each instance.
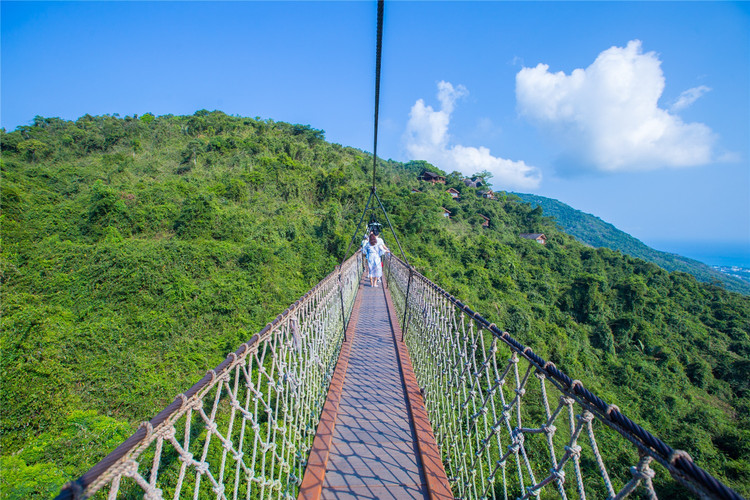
(595, 232)
(137, 251)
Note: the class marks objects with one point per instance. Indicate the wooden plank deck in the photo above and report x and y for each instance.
(374, 440)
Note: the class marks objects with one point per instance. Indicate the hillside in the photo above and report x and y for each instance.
(593, 231)
(137, 251)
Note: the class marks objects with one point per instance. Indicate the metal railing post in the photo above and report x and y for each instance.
(390, 265)
(343, 309)
(406, 304)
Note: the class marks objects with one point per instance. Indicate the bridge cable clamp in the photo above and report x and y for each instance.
(679, 454)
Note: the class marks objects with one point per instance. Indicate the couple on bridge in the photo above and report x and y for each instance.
(373, 247)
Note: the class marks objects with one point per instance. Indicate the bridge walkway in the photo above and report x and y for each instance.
(374, 439)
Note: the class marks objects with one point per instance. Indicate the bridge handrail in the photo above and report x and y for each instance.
(337, 288)
(677, 462)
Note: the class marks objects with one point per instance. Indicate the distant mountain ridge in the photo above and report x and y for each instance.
(593, 231)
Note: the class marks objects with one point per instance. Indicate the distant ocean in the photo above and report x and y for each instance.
(713, 254)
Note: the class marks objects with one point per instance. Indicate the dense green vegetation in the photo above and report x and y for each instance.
(138, 251)
(593, 231)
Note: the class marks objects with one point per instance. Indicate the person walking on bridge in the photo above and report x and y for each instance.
(373, 250)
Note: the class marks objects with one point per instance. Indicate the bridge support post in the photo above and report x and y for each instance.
(390, 265)
(343, 309)
(406, 304)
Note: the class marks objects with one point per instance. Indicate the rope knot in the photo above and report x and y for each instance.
(645, 473)
(149, 428)
(559, 475)
(183, 399)
(575, 450)
(268, 446)
(532, 491)
(201, 467)
(586, 417)
(518, 438)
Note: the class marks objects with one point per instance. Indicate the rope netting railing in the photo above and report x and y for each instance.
(246, 428)
(510, 424)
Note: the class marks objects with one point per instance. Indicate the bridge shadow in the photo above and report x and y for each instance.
(373, 452)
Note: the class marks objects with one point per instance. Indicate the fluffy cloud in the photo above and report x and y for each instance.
(427, 139)
(607, 115)
(688, 97)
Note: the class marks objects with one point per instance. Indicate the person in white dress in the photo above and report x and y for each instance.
(373, 250)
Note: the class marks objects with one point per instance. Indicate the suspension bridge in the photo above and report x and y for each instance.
(399, 391)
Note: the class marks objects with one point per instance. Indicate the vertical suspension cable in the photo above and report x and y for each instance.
(378, 57)
(378, 52)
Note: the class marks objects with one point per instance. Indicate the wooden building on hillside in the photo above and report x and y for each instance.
(538, 237)
(453, 192)
(431, 178)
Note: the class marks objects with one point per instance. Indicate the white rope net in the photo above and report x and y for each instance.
(505, 427)
(246, 429)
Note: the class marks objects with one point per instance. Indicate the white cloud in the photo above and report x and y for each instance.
(688, 97)
(607, 115)
(427, 139)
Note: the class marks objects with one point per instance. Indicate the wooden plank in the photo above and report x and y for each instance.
(374, 439)
(373, 449)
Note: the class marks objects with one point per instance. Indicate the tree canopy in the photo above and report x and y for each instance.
(138, 251)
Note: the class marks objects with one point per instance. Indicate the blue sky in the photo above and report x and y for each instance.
(637, 112)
